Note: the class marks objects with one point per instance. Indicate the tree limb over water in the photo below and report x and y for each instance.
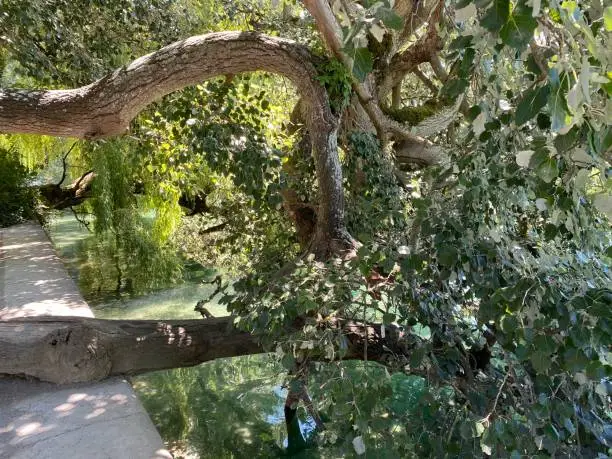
(65, 350)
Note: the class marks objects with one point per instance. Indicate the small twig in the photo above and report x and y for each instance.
(451, 430)
(488, 416)
(80, 220)
(202, 310)
(64, 166)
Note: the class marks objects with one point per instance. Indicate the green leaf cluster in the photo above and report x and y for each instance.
(18, 200)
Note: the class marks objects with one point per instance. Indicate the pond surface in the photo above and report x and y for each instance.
(226, 408)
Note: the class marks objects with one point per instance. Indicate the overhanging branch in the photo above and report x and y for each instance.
(106, 107)
(76, 349)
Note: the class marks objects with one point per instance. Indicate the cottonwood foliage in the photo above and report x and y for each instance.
(493, 265)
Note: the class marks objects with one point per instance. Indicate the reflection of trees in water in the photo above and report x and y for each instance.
(234, 408)
(117, 265)
(225, 408)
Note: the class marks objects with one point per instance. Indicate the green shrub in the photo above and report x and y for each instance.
(17, 199)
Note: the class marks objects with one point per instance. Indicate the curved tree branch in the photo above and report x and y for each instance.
(426, 81)
(386, 128)
(64, 165)
(421, 51)
(106, 107)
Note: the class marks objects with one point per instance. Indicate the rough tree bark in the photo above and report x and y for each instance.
(106, 107)
(372, 93)
(64, 350)
(76, 349)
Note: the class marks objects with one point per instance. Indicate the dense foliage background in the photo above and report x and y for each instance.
(493, 263)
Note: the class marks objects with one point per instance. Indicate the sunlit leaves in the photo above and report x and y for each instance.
(507, 238)
(608, 18)
(71, 43)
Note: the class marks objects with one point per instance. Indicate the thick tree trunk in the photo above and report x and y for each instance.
(106, 107)
(76, 349)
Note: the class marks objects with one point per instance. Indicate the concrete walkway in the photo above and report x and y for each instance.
(44, 421)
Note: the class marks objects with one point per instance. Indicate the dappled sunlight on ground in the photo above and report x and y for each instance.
(35, 415)
(36, 284)
(45, 421)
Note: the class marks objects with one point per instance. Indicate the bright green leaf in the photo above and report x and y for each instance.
(608, 18)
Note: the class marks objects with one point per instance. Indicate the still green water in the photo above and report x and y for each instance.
(226, 408)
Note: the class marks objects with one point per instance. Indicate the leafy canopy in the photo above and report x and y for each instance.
(494, 265)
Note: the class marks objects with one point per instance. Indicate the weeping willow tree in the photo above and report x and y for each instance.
(433, 201)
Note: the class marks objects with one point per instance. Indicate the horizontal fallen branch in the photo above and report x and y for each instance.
(76, 349)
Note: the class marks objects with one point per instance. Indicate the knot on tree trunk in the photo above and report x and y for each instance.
(74, 355)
